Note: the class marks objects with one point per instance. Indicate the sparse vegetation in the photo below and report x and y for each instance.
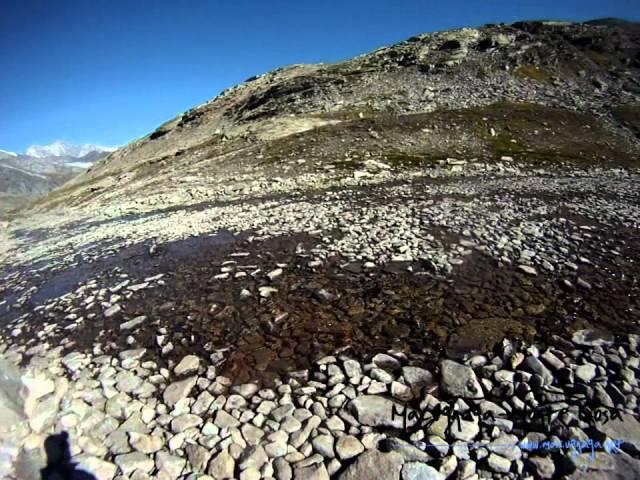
(63, 194)
(503, 145)
(411, 159)
(534, 73)
(629, 116)
(601, 58)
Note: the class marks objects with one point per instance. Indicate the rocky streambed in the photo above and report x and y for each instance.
(404, 327)
(518, 413)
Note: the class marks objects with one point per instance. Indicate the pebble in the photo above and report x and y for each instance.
(528, 269)
(133, 323)
(111, 311)
(253, 457)
(498, 464)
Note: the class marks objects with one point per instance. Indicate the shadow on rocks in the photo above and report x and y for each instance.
(59, 464)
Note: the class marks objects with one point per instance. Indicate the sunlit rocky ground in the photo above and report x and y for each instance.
(292, 334)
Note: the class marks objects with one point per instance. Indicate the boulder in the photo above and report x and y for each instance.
(374, 464)
(459, 380)
(417, 378)
(376, 411)
(130, 462)
(187, 365)
(420, 471)
(178, 390)
(312, 472)
(222, 465)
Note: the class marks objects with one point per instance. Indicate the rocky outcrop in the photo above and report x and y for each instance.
(548, 64)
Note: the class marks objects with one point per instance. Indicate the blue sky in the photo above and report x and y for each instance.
(110, 71)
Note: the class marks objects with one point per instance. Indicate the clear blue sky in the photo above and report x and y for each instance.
(108, 71)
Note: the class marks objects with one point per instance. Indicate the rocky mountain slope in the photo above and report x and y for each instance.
(530, 87)
(423, 262)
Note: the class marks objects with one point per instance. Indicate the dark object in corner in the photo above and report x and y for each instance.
(59, 464)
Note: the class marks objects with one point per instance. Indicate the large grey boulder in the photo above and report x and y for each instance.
(377, 411)
(459, 380)
(27, 464)
(417, 378)
(605, 466)
(626, 428)
(312, 472)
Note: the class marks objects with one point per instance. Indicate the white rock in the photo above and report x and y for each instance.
(172, 465)
(323, 444)
(130, 462)
(111, 311)
(178, 390)
(266, 292)
(420, 471)
(100, 469)
(135, 322)
(145, 443)
(188, 364)
(527, 269)
(275, 274)
(498, 464)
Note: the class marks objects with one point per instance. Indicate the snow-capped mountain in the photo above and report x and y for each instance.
(4, 153)
(24, 178)
(62, 149)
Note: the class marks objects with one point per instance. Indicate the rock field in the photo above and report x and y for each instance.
(421, 263)
(318, 335)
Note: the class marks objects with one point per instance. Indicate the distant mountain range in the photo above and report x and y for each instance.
(4, 153)
(25, 177)
(62, 149)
